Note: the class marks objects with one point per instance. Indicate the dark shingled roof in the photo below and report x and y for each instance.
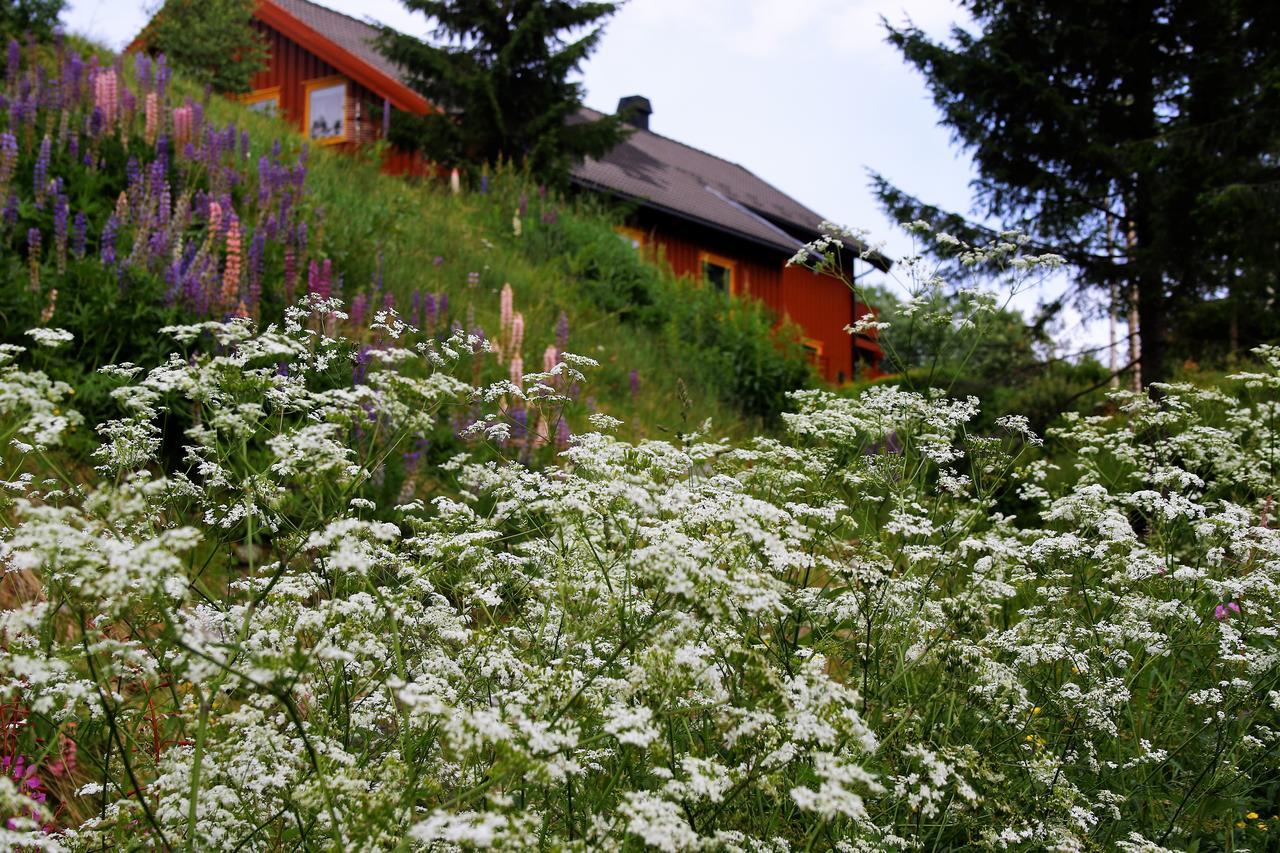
(679, 179)
(351, 34)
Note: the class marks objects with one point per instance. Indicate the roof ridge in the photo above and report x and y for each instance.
(702, 151)
(332, 11)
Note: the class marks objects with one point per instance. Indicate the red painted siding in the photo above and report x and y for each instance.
(289, 67)
(821, 305)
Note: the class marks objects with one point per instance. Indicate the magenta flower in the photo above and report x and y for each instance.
(1226, 611)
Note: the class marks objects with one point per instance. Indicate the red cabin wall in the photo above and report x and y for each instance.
(290, 66)
(822, 306)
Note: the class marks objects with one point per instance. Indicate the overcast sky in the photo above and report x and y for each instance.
(805, 93)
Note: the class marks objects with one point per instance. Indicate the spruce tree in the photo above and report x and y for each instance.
(212, 41)
(1136, 137)
(497, 73)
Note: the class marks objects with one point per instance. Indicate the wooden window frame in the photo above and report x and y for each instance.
(257, 96)
(720, 261)
(814, 346)
(628, 232)
(327, 83)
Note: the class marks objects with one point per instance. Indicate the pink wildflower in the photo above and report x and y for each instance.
(182, 119)
(517, 333)
(1226, 611)
(106, 94)
(231, 277)
(215, 218)
(152, 111)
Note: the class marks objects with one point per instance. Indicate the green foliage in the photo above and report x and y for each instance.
(38, 18)
(499, 72)
(1136, 139)
(211, 41)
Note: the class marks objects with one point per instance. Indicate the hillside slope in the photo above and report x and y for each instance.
(135, 202)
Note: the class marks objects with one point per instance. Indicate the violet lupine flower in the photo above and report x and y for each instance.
(108, 249)
(562, 433)
(484, 184)
(634, 378)
(142, 70)
(1226, 611)
(61, 215)
(257, 248)
(8, 158)
(415, 308)
(388, 301)
(15, 61)
(80, 232)
(11, 211)
(40, 174)
(429, 311)
(244, 145)
(264, 180)
(562, 331)
(132, 175)
(359, 307)
(361, 370)
(442, 305)
(519, 424)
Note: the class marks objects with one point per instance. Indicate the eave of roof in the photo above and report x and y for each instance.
(780, 244)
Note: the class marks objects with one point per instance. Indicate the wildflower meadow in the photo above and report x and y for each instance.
(312, 569)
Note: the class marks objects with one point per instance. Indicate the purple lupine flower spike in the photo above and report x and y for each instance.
(80, 235)
(108, 250)
(40, 174)
(562, 332)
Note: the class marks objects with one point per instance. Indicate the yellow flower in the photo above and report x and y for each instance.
(1239, 824)
(1035, 710)
(1252, 815)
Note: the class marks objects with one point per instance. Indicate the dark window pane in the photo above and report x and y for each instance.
(717, 276)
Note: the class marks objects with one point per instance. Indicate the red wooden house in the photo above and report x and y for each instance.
(710, 219)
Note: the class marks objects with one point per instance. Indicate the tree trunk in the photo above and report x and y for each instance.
(1151, 320)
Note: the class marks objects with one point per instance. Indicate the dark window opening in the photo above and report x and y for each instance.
(719, 277)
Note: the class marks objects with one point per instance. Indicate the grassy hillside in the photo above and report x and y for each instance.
(121, 198)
